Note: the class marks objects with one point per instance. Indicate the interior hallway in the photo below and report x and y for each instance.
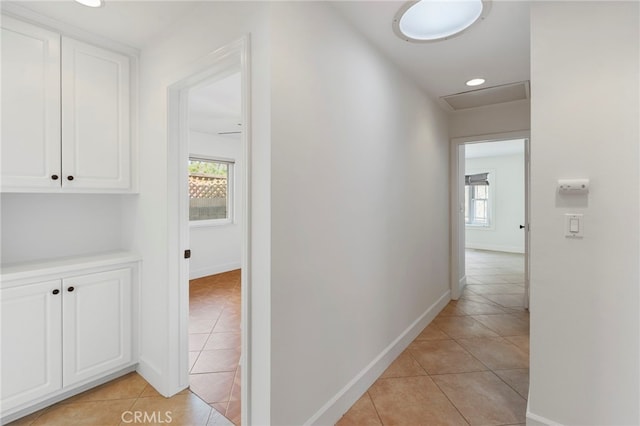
(469, 366)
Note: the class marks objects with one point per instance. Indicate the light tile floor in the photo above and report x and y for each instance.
(470, 366)
(214, 342)
(124, 401)
(214, 374)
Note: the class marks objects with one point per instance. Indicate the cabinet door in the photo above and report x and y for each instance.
(31, 342)
(97, 324)
(95, 118)
(30, 107)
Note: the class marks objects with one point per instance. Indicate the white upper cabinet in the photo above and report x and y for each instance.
(65, 114)
(95, 117)
(30, 106)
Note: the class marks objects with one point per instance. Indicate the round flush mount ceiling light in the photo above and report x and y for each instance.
(90, 3)
(433, 20)
(475, 82)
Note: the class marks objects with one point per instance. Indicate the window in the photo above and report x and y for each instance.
(210, 190)
(476, 206)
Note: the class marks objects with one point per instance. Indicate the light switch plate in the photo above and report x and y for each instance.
(573, 225)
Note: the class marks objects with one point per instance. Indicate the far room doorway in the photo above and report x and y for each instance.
(495, 222)
(215, 172)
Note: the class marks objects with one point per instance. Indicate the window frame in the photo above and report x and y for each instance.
(490, 201)
(230, 219)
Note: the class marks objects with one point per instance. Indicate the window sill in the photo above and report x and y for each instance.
(210, 223)
(479, 227)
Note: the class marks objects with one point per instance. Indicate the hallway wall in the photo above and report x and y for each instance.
(585, 80)
(500, 118)
(360, 222)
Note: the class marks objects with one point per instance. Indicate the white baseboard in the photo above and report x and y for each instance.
(495, 247)
(212, 270)
(151, 374)
(39, 404)
(335, 408)
(462, 283)
(535, 420)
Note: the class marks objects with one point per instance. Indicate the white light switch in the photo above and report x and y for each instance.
(574, 225)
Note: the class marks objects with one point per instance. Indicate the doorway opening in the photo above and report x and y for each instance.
(215, 188)
(208, 178)
(490, 219)
(494, 221)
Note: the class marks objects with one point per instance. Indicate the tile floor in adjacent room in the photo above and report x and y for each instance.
(214, 373)
(214, 341)
(470, 366)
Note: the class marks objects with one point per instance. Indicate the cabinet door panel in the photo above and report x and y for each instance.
(31, 342)
(97, 324)
(30, 106)
(95, 117)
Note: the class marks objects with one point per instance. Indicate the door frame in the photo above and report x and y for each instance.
(215, 65)
(458, 275)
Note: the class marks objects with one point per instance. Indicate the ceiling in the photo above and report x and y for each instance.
(494, 149)
(216, 107)
(496, 49)
(133, 23)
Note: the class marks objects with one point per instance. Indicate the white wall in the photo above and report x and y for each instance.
(506, 186)
(500, 118)
(216, 248)
(46, 226)
(171, 58)
(360, 235)
(584, 293)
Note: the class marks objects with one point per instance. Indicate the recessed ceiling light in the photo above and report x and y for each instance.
(475, 82)
(90, 3)
(432, 20)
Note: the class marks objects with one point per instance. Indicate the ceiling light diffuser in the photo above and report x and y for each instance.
(432, 20)
(475, 82)
(90, 3)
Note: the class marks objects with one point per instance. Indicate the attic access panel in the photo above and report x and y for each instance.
(487, 96)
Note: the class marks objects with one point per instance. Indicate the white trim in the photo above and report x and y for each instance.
(340, 403)
(462, 283)
(233, 55)
(63, 394)
(213, 269)
(457, 248)
(536, 420)
(17, 11)
(493, 247)
(151, 373)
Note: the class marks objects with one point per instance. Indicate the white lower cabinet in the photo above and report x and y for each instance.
(31, 342)
(96, 324)
(58, 334)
